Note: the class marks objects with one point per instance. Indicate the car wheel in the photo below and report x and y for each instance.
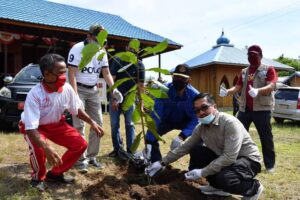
(278, 120)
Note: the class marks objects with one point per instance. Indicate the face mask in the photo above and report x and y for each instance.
(60, 80)
(254, 61)
(179, 85)
(206, 120)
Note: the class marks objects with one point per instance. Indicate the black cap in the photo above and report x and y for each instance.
(95, 29)
(182, 70)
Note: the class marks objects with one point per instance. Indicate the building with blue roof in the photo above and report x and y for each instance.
(31, 28)
(221, 65)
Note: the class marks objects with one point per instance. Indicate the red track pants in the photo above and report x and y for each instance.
(62, 134)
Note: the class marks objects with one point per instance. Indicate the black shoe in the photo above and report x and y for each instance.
(113, 154)
(59, 178)
(40, 185)
(123, 155)
(95, 164)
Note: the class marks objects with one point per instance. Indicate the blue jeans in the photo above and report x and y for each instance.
(115, 127)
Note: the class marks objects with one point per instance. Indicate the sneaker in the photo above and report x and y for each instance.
(270, 170)
(209, 190)
(40, 185)
(59, 178)
(95, 164)
(82, 168)
(258, 193)
(113, 154)
(122, 155)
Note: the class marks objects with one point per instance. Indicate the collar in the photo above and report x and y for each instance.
(49, 90)
(216, 119)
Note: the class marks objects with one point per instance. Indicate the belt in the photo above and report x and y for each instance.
(86, 86)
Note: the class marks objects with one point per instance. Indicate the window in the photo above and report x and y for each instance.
(287, 94)
(224, 82)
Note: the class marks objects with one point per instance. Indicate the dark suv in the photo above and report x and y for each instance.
(13, 94)
(287, 104)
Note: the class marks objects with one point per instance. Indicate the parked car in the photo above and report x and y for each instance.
(13, 95)
(287, 104)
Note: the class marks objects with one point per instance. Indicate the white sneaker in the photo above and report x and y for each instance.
(209, 190)
(256, 196)
(270, 170)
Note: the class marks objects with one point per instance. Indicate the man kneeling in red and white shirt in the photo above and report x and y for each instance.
(43, 119)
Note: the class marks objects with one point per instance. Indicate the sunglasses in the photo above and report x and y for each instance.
(203, 108)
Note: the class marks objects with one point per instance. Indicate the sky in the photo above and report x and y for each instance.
(197, 24)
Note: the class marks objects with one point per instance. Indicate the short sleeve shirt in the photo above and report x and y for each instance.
(89, 75)
(132, 70)
(42, 107)
(271, 76)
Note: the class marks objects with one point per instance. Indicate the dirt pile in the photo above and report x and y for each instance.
(134, 185)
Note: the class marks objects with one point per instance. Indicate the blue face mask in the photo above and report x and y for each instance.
(206, 120)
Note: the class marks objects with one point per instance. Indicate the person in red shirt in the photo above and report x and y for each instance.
(256, 84)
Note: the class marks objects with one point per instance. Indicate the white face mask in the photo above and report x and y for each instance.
(206, 120)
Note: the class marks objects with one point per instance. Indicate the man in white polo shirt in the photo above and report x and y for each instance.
(43, 119)
(84, 83)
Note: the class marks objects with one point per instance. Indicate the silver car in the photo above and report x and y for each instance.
(287, 104)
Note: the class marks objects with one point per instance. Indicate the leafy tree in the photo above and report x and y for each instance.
(295, 63)
(142, 98)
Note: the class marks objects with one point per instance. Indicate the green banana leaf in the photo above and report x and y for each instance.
(136, 116)
(134, 44)
(136, 142)
(157, 93)
(156, 69)
(88, 52)
(160, 47)
(101, 37)
(129, 101)
(127, 57)
(101, 56)
(152, 127)
(117, 83)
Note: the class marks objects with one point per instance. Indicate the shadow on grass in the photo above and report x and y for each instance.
(287, 124)
(13, 181)
(15, 184)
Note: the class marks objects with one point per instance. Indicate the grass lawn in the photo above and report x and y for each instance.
(15, 171)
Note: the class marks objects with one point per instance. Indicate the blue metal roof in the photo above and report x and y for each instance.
(229, 55)
(60, 15)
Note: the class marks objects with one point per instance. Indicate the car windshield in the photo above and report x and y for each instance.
(287, 94)
(29, 74)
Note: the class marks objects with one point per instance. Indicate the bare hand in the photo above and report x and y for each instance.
(98, 129)
(52, 157)
(115, 105)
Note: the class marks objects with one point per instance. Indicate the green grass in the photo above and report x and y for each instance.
(283, 184)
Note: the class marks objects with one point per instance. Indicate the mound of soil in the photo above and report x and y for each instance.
(132, 184)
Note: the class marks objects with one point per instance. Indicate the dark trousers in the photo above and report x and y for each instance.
(162, 129)
(262, 122)
(237, 178)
